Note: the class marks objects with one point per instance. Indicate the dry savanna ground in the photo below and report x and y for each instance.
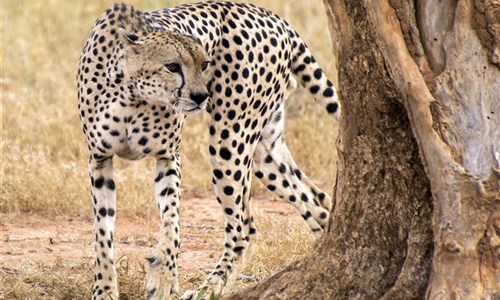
(46, 220)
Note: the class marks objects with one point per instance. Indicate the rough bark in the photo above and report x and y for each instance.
(454, 113)
(420, 87)
(379, 242)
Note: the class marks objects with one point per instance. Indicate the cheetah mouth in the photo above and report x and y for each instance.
(193, 110)
(187, 106)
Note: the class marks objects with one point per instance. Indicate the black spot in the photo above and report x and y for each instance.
(211, 150)
(236, 128)
(228, 92)
(239, 89)
(321, 197)
(224, 134)
(234, 76)
(228, 190)
(237, 40)
(269, 77)
(300, 68)
(103, 212)
(318, 73)
(328, 92)
(256, 104)
(143, 141)
(323, 215)
(274, 42)
(167, 191)
(105, 144)
(304, 198)
(217, 117)
(232, 24)
(228, 211)
(241, 148)
(332, 107)
(239, 55)
(225, 153)
(314, 89)
(218, 174)
(110, 184)
(245, 73)
(99, 182)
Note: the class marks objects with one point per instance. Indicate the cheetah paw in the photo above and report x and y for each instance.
(202, 293)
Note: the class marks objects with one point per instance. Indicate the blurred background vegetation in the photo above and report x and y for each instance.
(43, 152)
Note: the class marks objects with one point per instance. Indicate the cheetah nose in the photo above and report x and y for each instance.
(198, 98)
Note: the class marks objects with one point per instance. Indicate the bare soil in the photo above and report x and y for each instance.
(31, 241)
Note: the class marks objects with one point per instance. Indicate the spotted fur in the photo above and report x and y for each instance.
(141, 73)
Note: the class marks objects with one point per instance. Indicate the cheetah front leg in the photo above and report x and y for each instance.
(104, 201)
(232, 175)
(163, 277)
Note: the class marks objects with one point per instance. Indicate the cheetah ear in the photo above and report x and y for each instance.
(130, 38)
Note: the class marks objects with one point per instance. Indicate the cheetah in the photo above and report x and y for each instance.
(141, 73)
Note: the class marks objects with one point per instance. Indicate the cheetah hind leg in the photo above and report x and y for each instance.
(276, 169)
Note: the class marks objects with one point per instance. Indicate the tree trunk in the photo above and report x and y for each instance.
(417, 193)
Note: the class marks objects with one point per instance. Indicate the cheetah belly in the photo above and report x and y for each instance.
(126, 152)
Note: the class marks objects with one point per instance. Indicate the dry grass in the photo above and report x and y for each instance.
(43, 153)
(62, 281)
(277, 243)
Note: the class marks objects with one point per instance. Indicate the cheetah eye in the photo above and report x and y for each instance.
(205, 65)
(173, 67)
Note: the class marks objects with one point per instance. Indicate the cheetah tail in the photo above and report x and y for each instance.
(312, 77)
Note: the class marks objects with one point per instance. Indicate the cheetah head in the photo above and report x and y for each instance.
(168, 68)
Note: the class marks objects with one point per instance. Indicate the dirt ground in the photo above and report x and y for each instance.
(33, 240)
